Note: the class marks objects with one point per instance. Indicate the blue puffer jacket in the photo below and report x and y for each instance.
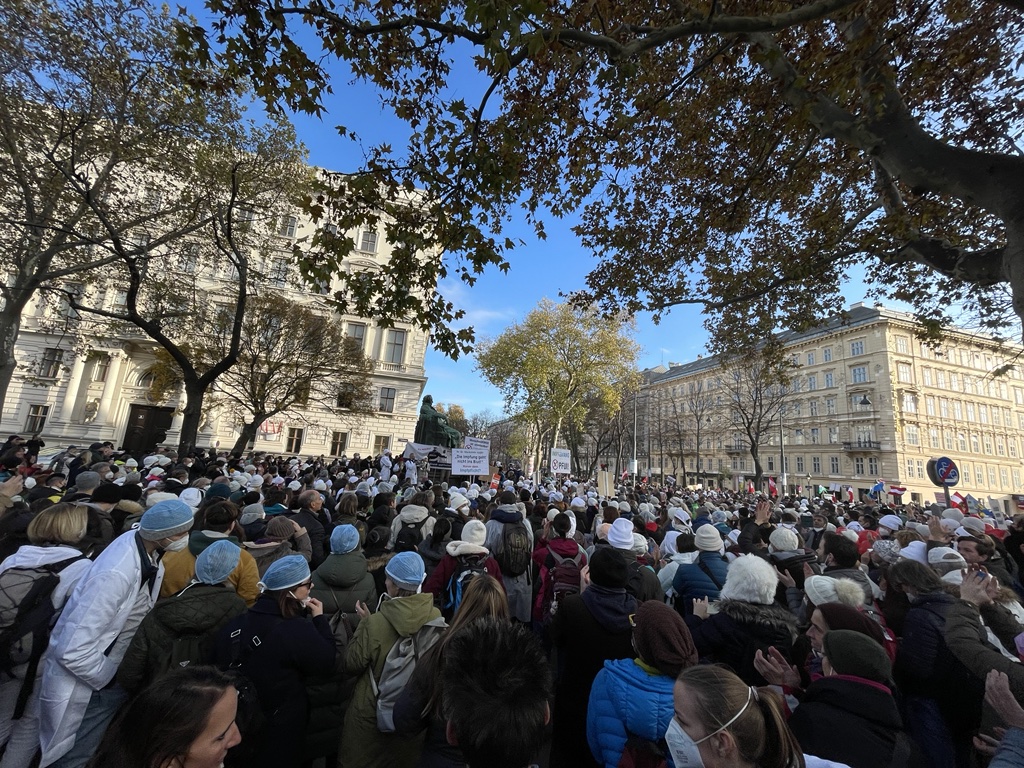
(690, 581)
(625, 699)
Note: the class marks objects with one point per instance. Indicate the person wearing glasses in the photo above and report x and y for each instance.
(280, 644)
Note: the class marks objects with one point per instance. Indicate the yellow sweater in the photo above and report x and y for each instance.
(180, 568)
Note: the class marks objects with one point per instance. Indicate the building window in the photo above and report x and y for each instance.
(799, 463)
(1016, 478)
(979, 474)
(294, 444)
(902, 345)
(278, 273)
(926, 374)
(872, 466)
(813, 406)
(920, 468)
(903, 373)
(830, 406)
(909, 403)
(810, 358)
(970, 412)
(987, 442)
(100, 367)
(288, 225)
(387, 399)
(339, 442)
(913, 434)
(816, 465)
(826, 354)
(188, 259)
(833, 435)
(815, 435)
(860, 374)
(812, 383)
(858, 466)
(49, 366)
(833, 465)
(958, 410)
(933, 437)
(992, 477)
(1002, 477)
(929, 405)
(356, 332)
(910, 468)
(856, 348)
(36, 418)
(368, 241)
(381, 443)
(829, 380)
(1011, 447)
(940, 379)
(983, 413)
(975, 444)
(394, 346)
(771, 463)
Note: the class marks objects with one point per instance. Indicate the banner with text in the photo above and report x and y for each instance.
(470, 461)
(561, 461)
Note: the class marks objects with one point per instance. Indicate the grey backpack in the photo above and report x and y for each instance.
(398, 668)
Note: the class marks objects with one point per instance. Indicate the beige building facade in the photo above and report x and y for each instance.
(868, 402)
(76, 384)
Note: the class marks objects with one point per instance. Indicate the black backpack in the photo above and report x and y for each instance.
(26, 616)
(634, 579)
(409, 536)
(514, 553)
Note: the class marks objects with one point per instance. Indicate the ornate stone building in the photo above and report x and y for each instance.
(870, 402)
(74, 386)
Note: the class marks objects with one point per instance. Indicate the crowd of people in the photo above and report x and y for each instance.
(167, 611)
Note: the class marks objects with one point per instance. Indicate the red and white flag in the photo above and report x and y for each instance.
(849, 493)
(896, 490)
(750, 487)
(773, 490)
(956, 498)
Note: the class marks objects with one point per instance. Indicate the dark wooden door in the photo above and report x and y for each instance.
(147, 428)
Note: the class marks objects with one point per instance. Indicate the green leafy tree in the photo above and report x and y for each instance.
(559, 365)
(741, 156)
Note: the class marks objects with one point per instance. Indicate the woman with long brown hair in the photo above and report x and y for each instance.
(721, 722)
(420, 703)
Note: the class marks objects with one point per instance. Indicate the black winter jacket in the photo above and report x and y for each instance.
(733, 634)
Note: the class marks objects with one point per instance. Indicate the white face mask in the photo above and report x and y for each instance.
(303, 601)
(684, 750)
(176, 545)
(818, 530)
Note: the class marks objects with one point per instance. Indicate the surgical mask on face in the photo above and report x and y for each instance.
(384, 596)
(684, 749)
(176, 545)
(818, 530)
(303, 601)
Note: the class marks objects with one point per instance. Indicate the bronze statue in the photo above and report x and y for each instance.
(432, 427)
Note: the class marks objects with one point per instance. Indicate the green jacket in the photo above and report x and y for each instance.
(200, 610)
(362, 745)
(340, 581)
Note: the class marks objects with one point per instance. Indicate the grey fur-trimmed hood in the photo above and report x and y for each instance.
(773, 617)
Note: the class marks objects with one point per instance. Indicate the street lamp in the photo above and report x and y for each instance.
(808, 483)
(864, 401)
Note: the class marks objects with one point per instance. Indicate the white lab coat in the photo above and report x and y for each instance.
(385, 468)
(104, 611)
(412, 474)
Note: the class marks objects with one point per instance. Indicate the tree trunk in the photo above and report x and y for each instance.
(248, 433)
(758, 472)
(10, 325)
(192, 415)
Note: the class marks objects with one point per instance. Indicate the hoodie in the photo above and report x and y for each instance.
(340, 581)
(411, 513)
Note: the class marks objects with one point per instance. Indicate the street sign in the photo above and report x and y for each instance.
(561, 461)
(943, 471)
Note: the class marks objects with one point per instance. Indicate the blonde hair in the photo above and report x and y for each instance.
(60, 524)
